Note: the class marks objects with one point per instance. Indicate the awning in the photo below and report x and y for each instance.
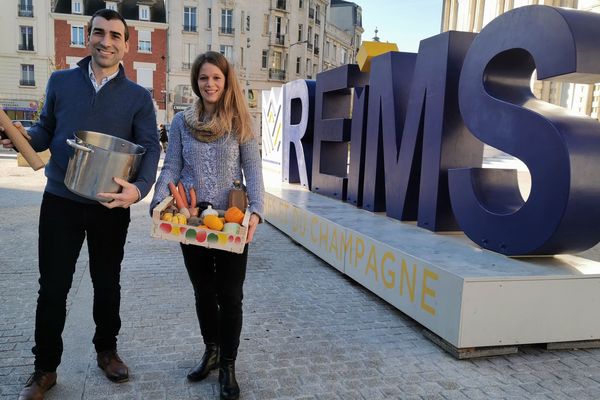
(19, 105)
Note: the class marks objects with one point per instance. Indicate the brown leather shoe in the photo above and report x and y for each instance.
(112, 365)
(37, 385)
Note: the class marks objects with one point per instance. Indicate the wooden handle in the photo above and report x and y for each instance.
(20, 142)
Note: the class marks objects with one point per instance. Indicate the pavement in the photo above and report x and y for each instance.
(309, 332)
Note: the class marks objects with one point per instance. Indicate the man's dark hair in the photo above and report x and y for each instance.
(108, 15)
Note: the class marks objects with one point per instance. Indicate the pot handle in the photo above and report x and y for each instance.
(77, 146)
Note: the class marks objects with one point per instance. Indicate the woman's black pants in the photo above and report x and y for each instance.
(218, 279)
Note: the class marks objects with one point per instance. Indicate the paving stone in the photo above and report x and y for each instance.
(310, 333)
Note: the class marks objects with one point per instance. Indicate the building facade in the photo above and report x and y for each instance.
(473, 15)
(146, 61)
(343, 34)
(269, 42)
(26, 56)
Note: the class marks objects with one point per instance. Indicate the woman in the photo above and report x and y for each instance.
(210, 145)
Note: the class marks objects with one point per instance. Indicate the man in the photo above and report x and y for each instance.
(163, 138)
(96, 96)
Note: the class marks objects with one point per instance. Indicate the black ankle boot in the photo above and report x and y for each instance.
(229, 386)
(209, 361)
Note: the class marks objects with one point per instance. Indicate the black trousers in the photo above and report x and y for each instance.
(63, 227)
(218, 279)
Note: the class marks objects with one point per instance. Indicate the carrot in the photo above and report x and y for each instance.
(183, 195)
(192, 197)
(176, 195)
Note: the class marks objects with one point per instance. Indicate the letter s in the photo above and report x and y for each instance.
(561, 149)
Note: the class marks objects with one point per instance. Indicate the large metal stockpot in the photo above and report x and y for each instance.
(96, 159)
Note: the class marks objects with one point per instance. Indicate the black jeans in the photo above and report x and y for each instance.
(218, 279)
(63, 227)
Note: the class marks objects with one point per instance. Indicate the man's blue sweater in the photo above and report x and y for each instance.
(121, 108)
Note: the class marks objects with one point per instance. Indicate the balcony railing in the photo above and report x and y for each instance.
(26, 47)
(316, 50)
(278, 74)
(318, 21)
(279, 39)
(311, 13)
(280, 5)
(25, 10)
(26, 82)
(309, 46)
(227, 30)
(190, 28)
(186, 65)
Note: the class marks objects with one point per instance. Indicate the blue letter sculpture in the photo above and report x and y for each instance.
(332, 129)
(389, 86)
(561, 149)
(358, 132)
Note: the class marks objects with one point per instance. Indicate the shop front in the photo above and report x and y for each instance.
(19, 109)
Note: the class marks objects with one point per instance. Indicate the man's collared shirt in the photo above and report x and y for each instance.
(98, 86)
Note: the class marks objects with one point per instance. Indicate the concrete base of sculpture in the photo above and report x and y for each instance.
(469, 297)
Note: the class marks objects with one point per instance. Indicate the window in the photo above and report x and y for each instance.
(251, 98)
(209, 16)
(25, 8)
(189, 52)
(242, 21)
(521, 3)
(300, 3)
(242, 56)
(144, 78)
(266, 25)
(344, 56)
(463, 21)
(307, 70)
(145, 41)
(227, 21)
(76, 7)
(276, 60)
(26, 38)
(247, 23)
(489, 11)
(72, 61)
(317, 14)
(77, 38)
(265, 58)
(334, 55)
(189, 19)
(300, 28)
(27, 75)
(298, 61)
(316, 41)
(111, 5)
(227, 51)
(144, 13)
(277, 26)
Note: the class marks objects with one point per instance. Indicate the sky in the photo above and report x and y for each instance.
(404, 22)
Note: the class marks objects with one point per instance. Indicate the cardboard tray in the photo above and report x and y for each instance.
(197, 236)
